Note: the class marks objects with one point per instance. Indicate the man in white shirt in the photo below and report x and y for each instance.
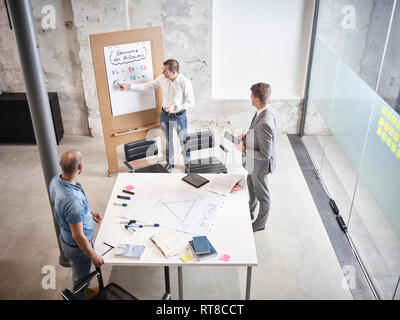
(177, 96)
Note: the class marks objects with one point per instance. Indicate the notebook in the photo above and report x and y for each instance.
(169, 242)
(203, 256)
(128, 250)
(195, 180)
(200, 245)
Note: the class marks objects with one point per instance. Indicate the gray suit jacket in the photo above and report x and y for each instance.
(260, 142)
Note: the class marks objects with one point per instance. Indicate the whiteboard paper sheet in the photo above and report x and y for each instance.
(129, 63)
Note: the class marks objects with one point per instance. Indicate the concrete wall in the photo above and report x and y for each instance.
(61, 64)
(68, 66)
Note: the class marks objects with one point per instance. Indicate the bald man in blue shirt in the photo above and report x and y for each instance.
(72, 212)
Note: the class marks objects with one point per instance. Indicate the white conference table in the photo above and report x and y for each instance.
(231, 233)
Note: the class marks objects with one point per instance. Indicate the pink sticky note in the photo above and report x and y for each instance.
(225, 257)
(129, 188)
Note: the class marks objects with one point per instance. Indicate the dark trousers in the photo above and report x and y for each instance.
(168, 123)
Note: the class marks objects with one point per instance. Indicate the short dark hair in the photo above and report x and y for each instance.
(261, 91)
(173, 65)
(70, 161)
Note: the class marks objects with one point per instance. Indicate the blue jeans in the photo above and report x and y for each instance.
(168, 123)
(80, 264)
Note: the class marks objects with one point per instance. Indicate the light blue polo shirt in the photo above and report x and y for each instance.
(70, 206)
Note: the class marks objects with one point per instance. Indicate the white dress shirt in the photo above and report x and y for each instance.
(178, 92)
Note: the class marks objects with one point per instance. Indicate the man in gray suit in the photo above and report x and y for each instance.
(258, 152)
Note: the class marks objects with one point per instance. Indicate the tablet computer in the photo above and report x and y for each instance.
(195, 180)
(231, 138)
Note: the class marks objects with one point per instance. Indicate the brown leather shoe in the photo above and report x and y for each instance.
(91, 292)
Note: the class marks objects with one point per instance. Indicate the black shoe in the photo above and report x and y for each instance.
(169, 166)
(251, 215)
(257, 228)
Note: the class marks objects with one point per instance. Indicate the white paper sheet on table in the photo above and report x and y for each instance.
(177, 209)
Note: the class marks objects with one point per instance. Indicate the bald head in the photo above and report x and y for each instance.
(70, 162)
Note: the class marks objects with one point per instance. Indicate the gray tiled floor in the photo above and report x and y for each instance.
(296, 259)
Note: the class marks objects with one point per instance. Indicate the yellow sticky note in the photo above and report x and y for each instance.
(398, 126)
(389, 142)
(391, 132)
(389, 115)
(394, 120)
(384, 110)
(384, 136)
(379, 131)
(381, 121)
(396, 137)
(186, 258)
(398, 154)
(386, 126)
(393, 148)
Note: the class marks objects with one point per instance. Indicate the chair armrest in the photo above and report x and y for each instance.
(166, 296)
(131, 170)
(85, 281)
(223, 148)
(67, 295)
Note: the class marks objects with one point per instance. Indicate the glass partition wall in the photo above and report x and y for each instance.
(352, 127)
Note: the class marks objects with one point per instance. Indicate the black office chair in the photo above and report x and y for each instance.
(141, 149)
(111, 291)
(198, 141)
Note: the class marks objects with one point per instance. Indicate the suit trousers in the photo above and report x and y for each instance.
(257, 183)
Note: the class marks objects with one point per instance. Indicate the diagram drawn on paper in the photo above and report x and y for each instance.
(190, 213)
(180, 209)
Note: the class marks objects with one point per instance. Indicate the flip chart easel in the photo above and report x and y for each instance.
(121, 129)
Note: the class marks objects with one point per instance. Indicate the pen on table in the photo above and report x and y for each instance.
(123, 197)
(129, 222)
(128, 192)
(128, 226)
(120, 204)
(144, 225)
(134, 222)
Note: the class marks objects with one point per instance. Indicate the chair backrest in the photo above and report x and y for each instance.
(140, 149)
(198, 141)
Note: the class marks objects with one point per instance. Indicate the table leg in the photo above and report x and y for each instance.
(248, 283)
(180, 283)
(167, 283)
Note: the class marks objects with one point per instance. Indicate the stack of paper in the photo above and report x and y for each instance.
(169, 242)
